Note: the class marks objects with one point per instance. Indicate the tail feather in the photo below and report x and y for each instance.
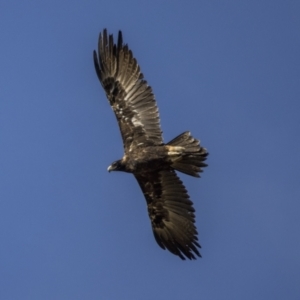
(191, 160)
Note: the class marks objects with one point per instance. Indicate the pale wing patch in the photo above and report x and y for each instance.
(136, 121)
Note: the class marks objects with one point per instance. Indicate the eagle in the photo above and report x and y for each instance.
(152, 162)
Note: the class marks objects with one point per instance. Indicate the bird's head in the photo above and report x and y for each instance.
(117, 165)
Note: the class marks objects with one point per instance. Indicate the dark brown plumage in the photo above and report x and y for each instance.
(152, 162)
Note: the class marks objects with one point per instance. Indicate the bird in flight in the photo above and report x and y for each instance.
(152, 162)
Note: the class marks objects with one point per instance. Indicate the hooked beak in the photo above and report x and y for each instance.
(109, 168)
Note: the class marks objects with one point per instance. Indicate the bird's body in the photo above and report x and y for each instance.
(152, 162)
(144, 159)
(150, 158)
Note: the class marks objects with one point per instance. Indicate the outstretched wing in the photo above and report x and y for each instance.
(128, 93)
(171, 213)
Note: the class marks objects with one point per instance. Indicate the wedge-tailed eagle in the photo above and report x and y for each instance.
(147, 157)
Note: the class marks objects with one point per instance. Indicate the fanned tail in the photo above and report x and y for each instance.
(192, 155)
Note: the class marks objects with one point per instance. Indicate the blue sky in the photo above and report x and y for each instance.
(228, 71)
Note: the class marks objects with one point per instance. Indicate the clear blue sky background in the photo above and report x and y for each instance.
(229, 71)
